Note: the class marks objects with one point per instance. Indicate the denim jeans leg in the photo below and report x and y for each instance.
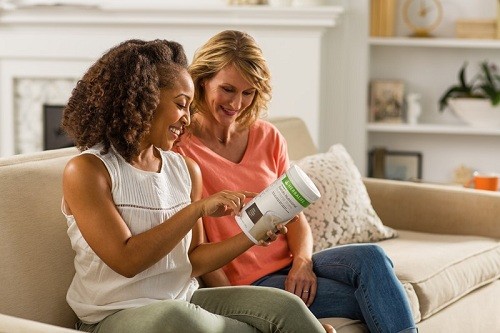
(380, 295)
(333, 298)
(357, 282)
(268, 310)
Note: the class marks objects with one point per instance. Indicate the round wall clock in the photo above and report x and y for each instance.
(422, 16)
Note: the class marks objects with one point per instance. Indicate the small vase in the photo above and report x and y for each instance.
(413, 108)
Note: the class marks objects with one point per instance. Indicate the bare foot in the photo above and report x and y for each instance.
(329, 328)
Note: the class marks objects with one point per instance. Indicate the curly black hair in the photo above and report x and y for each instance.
(114, 102)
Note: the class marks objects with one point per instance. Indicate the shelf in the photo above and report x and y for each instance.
(436, 42)
(431, 129)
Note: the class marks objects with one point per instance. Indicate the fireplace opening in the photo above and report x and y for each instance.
(53, 135)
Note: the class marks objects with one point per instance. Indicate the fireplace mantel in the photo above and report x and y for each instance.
(156, 14)
(56, 44)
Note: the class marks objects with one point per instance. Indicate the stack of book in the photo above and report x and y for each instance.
(498, 18)
(382, 18)
(476, 28)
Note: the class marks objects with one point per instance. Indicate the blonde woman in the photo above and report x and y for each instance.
(235, 149)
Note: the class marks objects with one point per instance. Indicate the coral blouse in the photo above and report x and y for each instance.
(265, 159)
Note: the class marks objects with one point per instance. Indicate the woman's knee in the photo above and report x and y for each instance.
(376, 254)
(166, 310)
(293, 302)
(286, 311)
(351, 255)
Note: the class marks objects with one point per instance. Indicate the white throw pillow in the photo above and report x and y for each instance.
(344, 213)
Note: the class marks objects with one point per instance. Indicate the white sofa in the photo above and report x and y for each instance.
(449, 238)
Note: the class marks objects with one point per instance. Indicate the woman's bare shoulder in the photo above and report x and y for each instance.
(85, 167)
(193, 167)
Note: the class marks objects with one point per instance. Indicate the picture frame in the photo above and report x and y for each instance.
(386, 101)
(53, 135)
(395, 165)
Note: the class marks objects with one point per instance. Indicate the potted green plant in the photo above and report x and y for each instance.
(476, 102)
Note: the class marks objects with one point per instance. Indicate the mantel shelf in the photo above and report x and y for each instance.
(158, 14)
(431, 129)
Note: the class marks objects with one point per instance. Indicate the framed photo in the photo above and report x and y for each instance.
(386, 101)
(396, 165)
(53, 135)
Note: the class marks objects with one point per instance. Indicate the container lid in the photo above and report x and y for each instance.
(303, 183)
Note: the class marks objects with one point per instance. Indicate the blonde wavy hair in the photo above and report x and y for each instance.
(232, 47)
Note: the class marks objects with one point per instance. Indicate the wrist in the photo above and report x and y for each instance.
(245, 241)
(198, 209)
(302, 261)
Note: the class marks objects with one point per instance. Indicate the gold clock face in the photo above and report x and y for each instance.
(422, 16)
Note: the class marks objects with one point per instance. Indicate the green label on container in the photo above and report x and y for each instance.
(293, 191)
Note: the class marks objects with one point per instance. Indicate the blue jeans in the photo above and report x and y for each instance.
(357, 282)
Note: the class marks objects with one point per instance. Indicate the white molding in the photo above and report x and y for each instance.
(321, 16)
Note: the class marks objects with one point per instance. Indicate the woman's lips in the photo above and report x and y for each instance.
(228, 112)
(176, 131)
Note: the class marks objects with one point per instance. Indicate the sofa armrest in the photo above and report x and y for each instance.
(435, 208)
(20, 325)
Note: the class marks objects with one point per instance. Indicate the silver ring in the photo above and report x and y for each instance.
(305, 291)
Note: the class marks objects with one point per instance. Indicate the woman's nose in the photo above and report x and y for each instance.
(186, 119)
(236, 102)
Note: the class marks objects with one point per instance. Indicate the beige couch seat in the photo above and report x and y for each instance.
(11, 324)
(436, 270)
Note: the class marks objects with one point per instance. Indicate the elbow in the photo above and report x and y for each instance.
(127, 271)
(195, 272)
(128, 275)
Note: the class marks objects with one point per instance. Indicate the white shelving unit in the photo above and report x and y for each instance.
(429, 66)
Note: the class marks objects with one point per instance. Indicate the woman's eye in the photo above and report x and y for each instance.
(249, 93)
(227, 89)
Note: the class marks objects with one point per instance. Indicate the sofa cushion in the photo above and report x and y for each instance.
(344, 213)
(36, 260)
(436, 270)
(20, 325)
(345, 325)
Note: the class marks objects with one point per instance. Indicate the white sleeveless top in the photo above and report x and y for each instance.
(144, 200)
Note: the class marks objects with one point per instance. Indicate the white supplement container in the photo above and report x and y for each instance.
(279, 202)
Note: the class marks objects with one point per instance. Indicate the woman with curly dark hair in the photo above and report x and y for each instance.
(134, 211)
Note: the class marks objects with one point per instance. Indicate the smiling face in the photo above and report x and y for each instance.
(227, 95)
(172, 113)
